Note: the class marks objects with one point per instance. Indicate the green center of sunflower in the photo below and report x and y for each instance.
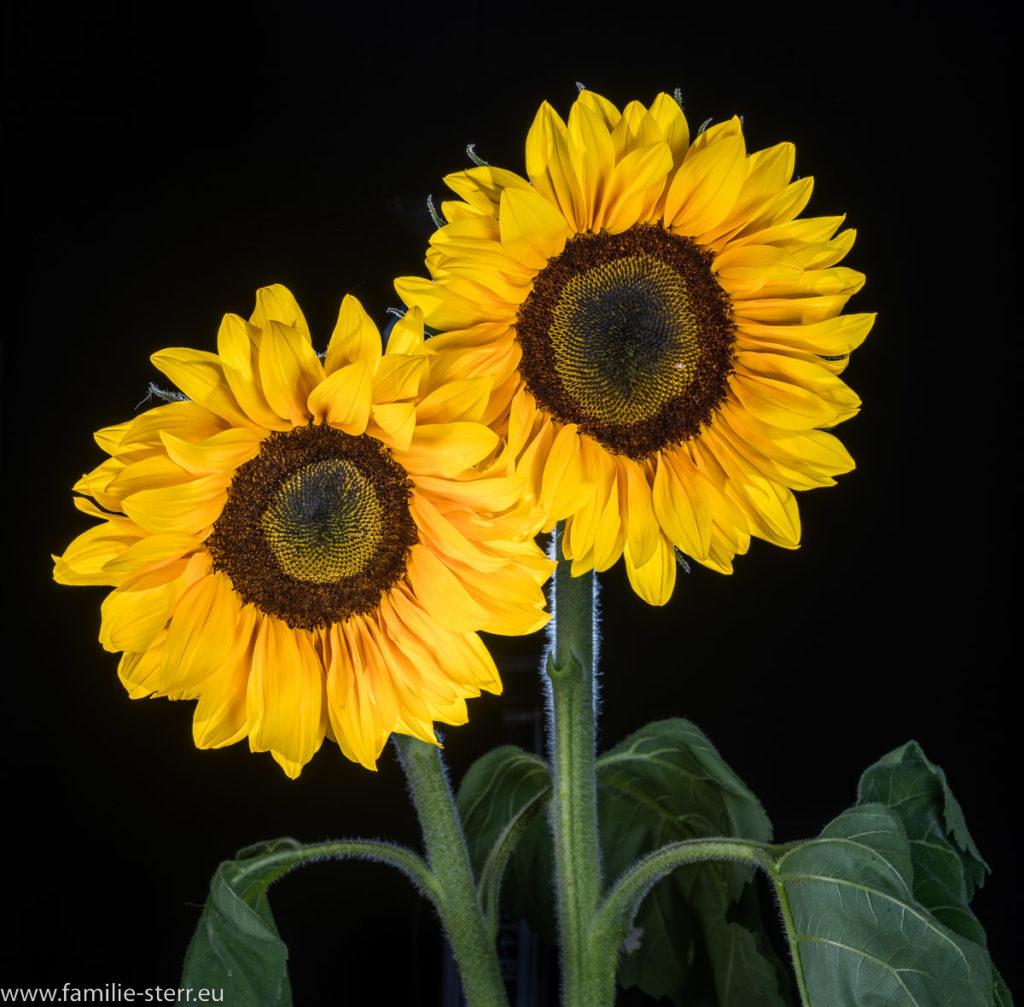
(325, 522)
(316, 527)
(630, 336)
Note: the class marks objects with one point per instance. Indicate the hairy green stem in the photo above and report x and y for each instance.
(791, 933)
(285, 860)
(571, 673)
(457, 903)
(615, 916)
(493, 870)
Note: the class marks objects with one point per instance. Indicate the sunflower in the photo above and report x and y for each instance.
(663, 330)
(308, 546)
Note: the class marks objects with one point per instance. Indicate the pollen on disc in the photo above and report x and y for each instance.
(626, 340)
(629, 336)
(316, 527)
(325, 522)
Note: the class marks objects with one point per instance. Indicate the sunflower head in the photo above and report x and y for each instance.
(308, 546)
(663, 328)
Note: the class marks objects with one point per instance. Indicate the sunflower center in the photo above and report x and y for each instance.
(630, 336)
(324, 523)
(625, 339)
(316, 527)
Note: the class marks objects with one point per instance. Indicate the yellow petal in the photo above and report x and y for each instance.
(131, 616)
(531, 465)
(276, 303)
(477, 232)
(86, 558)
(481, 186)
(814, 452)
(767, 458)
(446, 449)
(563, 489)
(355, 337)
(514, 602)
(636, 128)
(118, 521)
(592, 156)
(706, 186)
(770, 509)
(461, 657)
(642, 529)
(237, 343)
(442, 594)
(532, 229)
(600, 106)
(109, 438)
(95, 483)
(398, 377)
(549, 167)
(220, 717)
(801, 376)
(790, 310)
(201, 633)
(609, 526)
(138, 671)
(152, 549)
(188, 420)
(669, 116)
(414, 656)
(442, 308)
(635, 186)
(444, 540)
(289, 371)
(654, 580)
(743, 269)
(187, 508)
(361, 700)
(783, 207)
(393, 423)
(217, 455)
(493, 494)
(148, 473)
(343, 398)
(767, 174)
(459, 399)
(585, 525)
(284, 699)
(406, 335)
(499, 288)
(200, 376)
(681, 507)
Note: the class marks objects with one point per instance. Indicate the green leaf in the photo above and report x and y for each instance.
(498, 801)
(236, 946)
(698, 936)
(862, 938)
(1002, 993)
(948, 867)
(947, 864)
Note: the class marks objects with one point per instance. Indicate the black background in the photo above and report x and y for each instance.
(163, 161)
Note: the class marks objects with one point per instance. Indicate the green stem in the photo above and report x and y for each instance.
(457, 903)
(791, 932)
(615, 916)
(574, 797)
(297, 854)
(493, 870)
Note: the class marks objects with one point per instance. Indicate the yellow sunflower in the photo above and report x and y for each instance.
(664, 332)
(304, 544)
